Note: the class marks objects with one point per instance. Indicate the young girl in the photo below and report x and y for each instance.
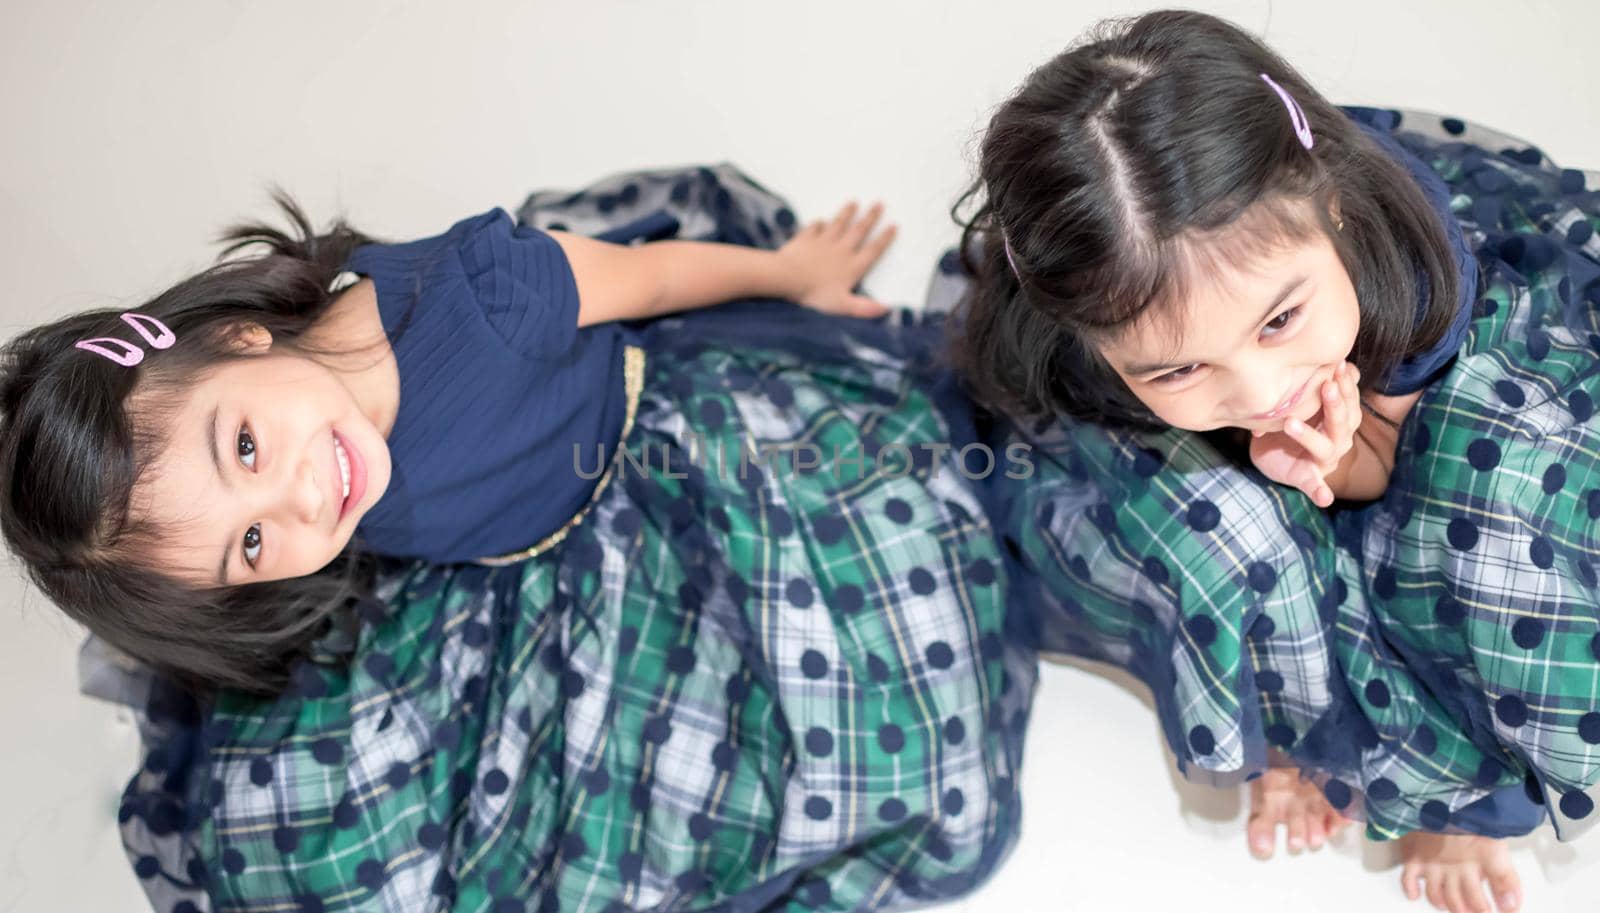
(648, 658)
(1177, 241)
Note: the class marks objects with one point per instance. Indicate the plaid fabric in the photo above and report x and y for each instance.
(772, 690)
(1432, 659)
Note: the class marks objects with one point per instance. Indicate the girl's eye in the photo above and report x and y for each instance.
(1179, 374)
(246, 445)
(252, 545)
(1283, 319)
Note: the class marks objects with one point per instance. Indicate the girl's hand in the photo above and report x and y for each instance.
(1308, 457)
(828, 260)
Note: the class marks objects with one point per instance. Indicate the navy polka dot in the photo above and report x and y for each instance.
(848, 598)
(1462, 533)
(1204, 516)
(890, 738)
(1377, 693)
(1579, 233)
(345, 814)
(1281, 735)
(370, 874)
(779, 521)
(1511, 710)
(1448, 611)
(953, 802)
(1156, 571)
(955, 732)
(1527, 632)
(1538, 344)
(700, 827)
(474, 633)
(877, 669)
(1509, 393)
(630, 866)
(680, 660)
(898, 511)
(1435, 815)
(1585, 572)
(922, 582)
(1382, 789)
(1262, 577)
(285, 839)
(816, 893)
(261, 771)
(1384, 584)
(398, 776)
(982, 572)
(1337, 792)
(799, 594)
(1424, 740)
(627, 522)
(1483, 454)
(627, 640)
(1580, 405)
(1453, 125)
(892, 810)
(724, 757)
(1263, 627)
(1541, 552)
(1201, 629)
(1489, 773)
(496, 782)
(1555, 477)
(1576, 805)
(147, 867)
(327, 751)
(1589, 728)
(1571, 181)
(828, 529)
(597, 781)
(819, 741)
(939, 655)
(813, 664)
(572, 682)
(1147, 462)
(818, 809)
(657, 729)
(1202, 741)
(1269, 681)
(233, 862)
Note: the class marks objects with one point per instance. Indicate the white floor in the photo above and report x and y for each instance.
(134, 132)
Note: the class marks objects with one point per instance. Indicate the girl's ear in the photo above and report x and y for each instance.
(251, 339)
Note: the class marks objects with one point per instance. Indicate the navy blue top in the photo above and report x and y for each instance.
(1419, 370)
(497, 383)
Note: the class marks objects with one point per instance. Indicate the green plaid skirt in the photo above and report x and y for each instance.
(758, 684)
(1432, 659)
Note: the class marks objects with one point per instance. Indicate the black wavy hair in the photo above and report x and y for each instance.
(71, 455)
(1128, 164)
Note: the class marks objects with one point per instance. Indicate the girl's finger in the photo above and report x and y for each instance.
(842, 221)
(875, 248)
(863, 227)
(1335, 422)
(1317, 446)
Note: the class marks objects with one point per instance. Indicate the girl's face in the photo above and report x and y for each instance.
(269, 466)
(1253, 346)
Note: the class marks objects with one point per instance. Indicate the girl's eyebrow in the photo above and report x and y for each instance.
(1285, 292)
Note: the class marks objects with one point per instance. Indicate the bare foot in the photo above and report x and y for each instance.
(1454, 866)
(1279, 796)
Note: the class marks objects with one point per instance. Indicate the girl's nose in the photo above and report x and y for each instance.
(306, 494)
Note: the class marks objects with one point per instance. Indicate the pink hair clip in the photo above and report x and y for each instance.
(1302, 127)
(125, 353)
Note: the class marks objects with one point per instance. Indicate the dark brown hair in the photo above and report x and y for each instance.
(71, 455)
(1131, 162)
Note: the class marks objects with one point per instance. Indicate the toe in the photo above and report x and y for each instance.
(1263, 834)
(1505, 885)
(1410, 880)
(1297, 830)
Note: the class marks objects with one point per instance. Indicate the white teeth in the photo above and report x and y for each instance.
(344, 465)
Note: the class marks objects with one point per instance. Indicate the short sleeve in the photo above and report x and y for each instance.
(523, 284)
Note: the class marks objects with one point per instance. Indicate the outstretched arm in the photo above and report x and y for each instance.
(818, 268)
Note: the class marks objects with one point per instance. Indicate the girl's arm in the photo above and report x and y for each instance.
(818, 268)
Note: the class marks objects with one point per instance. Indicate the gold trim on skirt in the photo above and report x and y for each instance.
(633, 385)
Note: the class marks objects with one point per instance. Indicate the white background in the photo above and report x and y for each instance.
(131, 132)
